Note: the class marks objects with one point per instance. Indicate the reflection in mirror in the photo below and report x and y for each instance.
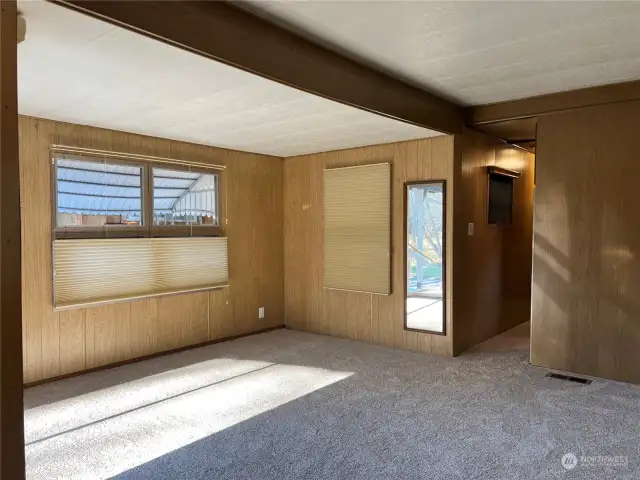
(425, 227)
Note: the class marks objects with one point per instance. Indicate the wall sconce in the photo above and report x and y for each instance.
(22, 28)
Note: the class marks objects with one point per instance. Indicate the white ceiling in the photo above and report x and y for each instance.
(78, 69)
(478, 52)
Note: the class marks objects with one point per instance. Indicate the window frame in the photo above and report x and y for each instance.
(147, 229)
(181, 230)
(445, 263)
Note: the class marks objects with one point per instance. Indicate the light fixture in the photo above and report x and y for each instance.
(21, 28)
(503, 171)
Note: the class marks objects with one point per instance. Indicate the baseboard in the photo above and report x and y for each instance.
(148, 357)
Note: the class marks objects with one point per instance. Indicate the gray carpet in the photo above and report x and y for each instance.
(292, 405)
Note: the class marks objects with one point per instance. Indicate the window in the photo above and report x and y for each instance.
(425, 211)
(119, 198)
(500, 199)
(92, 194)
(184, 197)
(357, 228)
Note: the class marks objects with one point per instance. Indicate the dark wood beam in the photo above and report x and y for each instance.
(511, 130)
(11, 407)
(553, 103)
(231, 35)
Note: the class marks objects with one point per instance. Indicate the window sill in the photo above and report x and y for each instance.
(105, 301)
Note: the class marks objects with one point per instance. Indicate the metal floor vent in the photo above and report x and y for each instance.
(568, 378)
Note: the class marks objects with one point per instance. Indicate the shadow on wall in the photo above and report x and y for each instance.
(585, 306)
(559, 278)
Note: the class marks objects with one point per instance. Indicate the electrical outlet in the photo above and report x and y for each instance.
(470, 229)
(261, 312)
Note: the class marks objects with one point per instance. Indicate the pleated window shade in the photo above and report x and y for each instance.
(102, 270)
(357, 228)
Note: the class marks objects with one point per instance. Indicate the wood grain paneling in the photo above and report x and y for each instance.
(58, 343)
(11, 330)
(492, 269)
(360, 316)
(586, 269)
(72, 332)
(220, 314)
(144, 340)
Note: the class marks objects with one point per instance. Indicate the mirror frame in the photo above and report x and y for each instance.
(407, 186)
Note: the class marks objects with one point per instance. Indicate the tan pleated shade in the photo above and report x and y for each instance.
(102, 270)
(357, 228)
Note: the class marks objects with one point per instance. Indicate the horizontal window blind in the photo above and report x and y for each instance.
(102, 270)
(357, 228)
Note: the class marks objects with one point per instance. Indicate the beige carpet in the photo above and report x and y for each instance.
(293, 405)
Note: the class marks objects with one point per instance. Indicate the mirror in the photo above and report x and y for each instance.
(425, 209)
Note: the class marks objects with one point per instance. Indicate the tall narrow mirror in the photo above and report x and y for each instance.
(425, 210)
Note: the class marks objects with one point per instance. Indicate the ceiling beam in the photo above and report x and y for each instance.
(553, 103)
(231, 35)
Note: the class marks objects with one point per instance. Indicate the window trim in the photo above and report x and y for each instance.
(166, 230)
(445, 263)
(146, 164)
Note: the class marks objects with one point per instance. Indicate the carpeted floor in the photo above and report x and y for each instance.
(293, 405)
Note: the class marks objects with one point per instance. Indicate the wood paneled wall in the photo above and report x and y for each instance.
(361, 316)
(57, 343)
(586, 270)
(492, 268)
(11, 398)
